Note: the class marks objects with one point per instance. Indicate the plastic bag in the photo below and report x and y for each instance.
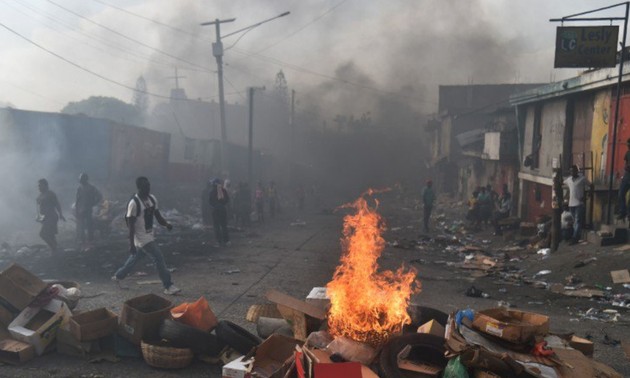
(455, 369)
(197, 314)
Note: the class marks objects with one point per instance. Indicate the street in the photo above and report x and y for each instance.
(293, 259)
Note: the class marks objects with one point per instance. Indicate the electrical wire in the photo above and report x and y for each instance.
(122, 35)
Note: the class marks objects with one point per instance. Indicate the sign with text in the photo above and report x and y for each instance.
(586, 46)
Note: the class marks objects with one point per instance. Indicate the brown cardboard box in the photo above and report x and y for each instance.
(141, 317)
(69, 345)
(18, 286)
(304, 317)
(273, 356)
(432, 327)
(93, 325)
(585, 346)
(15, 352)
(317, 364)
(514, 326)
(6, 316)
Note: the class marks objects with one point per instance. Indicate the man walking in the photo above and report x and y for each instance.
(428, 198)
(141, 210)
(87, 197)
(48, 214)
(219, 199)
(577, 184)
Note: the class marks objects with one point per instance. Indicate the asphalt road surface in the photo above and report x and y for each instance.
(294, 259)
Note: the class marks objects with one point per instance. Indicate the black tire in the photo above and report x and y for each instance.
(185, 336)
(422, 314)
(424, 347)
(237, 337)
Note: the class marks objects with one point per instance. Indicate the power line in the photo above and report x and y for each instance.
(127, 37)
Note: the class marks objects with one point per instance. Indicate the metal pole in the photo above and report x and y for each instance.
(617, 103)
(292, 147)
(250, 151)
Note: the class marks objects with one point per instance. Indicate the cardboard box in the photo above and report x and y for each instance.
(38, 325)
(141, 317)
(6, 316)
(318, 297)
(15, 352)
(238, 368)
(93, 325)
(583, 345)
(317, 364)
(18, 286)
(432, 327)
(303, 317)
(273, 356)
(69, 345)
(511, 325)
(425, 369)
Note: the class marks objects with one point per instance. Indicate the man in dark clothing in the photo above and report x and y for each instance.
(87, 197)
(624, 186)
(48, 214)
(219, 199)
(428, 198)
(206, 211)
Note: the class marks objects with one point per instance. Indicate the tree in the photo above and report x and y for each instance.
(105, 107)
(140, 98)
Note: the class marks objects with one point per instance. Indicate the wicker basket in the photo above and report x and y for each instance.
(160, 355)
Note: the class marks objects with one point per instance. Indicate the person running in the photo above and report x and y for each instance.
(219, 200)
(87, 197)
(141, 210)
(48, 214)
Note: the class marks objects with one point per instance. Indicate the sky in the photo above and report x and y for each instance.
(73, 49)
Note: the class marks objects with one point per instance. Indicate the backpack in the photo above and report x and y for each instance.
(135, 199)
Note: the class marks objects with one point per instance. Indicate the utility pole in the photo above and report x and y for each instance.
(217, 51)
(292, 150)
(250, 150)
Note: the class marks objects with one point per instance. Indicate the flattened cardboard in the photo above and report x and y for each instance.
(620, 276)
(273, 356)
(15, 352)
(45, 333)
(18, 286)
(296, 304)
(432, 327)
(511, 325)
(405, 364)
(141, 317)
(93, 325)
(583, 345)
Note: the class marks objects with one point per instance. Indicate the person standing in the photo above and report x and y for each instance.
(503, 210)
(577, 184)
(272, 195)
(624, 186)
(87, 197)
(48, 214)
(428, 198)
(141, 210)
(219, 200)
(259, 199)
(206, 211)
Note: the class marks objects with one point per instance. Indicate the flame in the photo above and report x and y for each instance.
(367, 305)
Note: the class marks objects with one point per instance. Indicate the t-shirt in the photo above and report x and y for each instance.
(144, 222)
(47, 204)
(577, 186)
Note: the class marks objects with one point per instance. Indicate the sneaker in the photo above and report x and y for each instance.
(172, 290)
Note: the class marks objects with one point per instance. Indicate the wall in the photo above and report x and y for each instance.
(599, 134)
(137, 152)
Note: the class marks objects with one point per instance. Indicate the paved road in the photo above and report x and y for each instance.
(293, 260)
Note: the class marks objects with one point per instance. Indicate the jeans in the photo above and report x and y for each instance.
(624, 186)
(85, 223)
(578, 220)
(427, 216)
(219, 222)
(151, 249)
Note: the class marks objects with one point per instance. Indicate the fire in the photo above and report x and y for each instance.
(367, 305)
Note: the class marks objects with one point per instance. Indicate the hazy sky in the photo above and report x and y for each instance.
(361, 45)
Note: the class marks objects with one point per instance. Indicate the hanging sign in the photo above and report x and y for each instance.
(586, 46)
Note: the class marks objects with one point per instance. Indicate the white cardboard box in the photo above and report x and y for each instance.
(238, 368)
(318, 297)
(46, 332)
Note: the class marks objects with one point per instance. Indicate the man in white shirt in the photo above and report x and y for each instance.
(577, 187)
(141, 210)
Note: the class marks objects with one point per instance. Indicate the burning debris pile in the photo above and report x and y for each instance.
(367, 305)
